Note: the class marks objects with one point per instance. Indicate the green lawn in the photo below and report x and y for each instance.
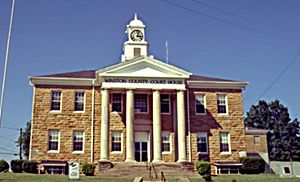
(25, 177)
(248, 178)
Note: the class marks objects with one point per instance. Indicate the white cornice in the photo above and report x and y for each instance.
(61, 81)
(216, 84)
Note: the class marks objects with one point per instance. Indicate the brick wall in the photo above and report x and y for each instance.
(256, 145)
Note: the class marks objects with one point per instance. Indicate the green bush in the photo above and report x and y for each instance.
(88, 169)
(207, 177)
(203, 167)
(3, 166)
(252, 165)
(16, 166)
(30, 166)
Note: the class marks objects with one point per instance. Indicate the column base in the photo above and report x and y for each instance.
(130, 161)
(104, 160)
(182, 160)
(158, 161)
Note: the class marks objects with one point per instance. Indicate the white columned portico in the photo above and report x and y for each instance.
(157, 157)
(181, 126)
(104, 125)
(129, 126)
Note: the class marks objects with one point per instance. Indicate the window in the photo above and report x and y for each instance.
(79, 101)
(222, 104)
(286, 170)
(116, 141)
(202, 142)
(78, 141)
(116, 102)
(256, 140)
(55, 100)
(140, 103)
(165, 141)
(165, 103)
(136, 52)
(224, 142)
(53, 140)
(200, 103)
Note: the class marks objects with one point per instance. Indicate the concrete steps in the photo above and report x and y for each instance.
(142, 170)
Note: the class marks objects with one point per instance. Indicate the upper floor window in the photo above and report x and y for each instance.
(78, 141)
(141, 103)
(256, 140)
(202, 142)
(200, 104)
(53, 140)
(116, 102)
(116, 141)
(79, 101)
(224, 142)
(165, 103)
(55, 100)
(222, 104)
(165, 141)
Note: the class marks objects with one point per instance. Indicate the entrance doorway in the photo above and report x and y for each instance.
(141, 146)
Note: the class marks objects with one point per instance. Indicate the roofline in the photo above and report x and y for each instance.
(61, 81)
(256, 131)
(217, 84)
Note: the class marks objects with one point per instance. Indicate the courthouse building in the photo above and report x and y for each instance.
(137, 110)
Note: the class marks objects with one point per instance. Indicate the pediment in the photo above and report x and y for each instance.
(143, 67)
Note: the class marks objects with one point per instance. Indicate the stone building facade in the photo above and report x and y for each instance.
(138, 110)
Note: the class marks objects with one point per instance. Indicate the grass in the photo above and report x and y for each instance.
(248, 178)
(25, 177)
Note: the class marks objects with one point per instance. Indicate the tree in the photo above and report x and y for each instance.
(25, 140)
(283, 134)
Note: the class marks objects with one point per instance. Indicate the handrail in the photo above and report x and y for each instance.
(163, 178)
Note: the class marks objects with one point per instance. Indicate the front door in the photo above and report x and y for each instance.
(141, 146)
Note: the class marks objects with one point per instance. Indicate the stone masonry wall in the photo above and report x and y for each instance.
(213, 124)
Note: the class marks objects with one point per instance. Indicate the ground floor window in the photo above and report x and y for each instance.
(116, 141)
(228, 168)
(55, 169)
(165, 141)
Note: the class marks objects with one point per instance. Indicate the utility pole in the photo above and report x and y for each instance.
(21, 142)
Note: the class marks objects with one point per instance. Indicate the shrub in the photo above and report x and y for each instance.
(207, 177)
(252, 165)
(16, 166)
(30, 166)
(203, 167)
(3, 166)
(88, 169)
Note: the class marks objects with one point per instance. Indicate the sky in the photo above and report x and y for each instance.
(246, 40)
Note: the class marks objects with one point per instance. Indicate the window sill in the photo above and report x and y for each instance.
(79, 112)
(55, 111)
(225, 153)
(223, 114)
(116, 152)
(53, 152)
(202, 153)
(116, 112)
(167, 152)
(200, 114)
(77, 152)
(165, 113)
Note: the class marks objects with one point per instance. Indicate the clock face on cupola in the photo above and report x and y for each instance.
(136, 35)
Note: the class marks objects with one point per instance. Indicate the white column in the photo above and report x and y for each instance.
(104, 125)
(156, 128)
(129, 126)
(181, 126)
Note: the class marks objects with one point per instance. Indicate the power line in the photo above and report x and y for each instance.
(8, 153)
(279, 76)
(243, 17)
(228, 22)
(6, 149)
(10, 128)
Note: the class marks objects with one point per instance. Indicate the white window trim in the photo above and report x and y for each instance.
(229, 145)
(84, 97)
(61, 98)
(226, 104)
(117, 152)
(170, 141)
(83, 143)
(166, 113)
(58, 146)
(111, 100)
(205, 135)
(204, 103)
(147, 96)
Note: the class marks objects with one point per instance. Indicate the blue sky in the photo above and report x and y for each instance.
(53, 36)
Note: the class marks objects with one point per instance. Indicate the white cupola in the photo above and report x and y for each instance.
(135, 45)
